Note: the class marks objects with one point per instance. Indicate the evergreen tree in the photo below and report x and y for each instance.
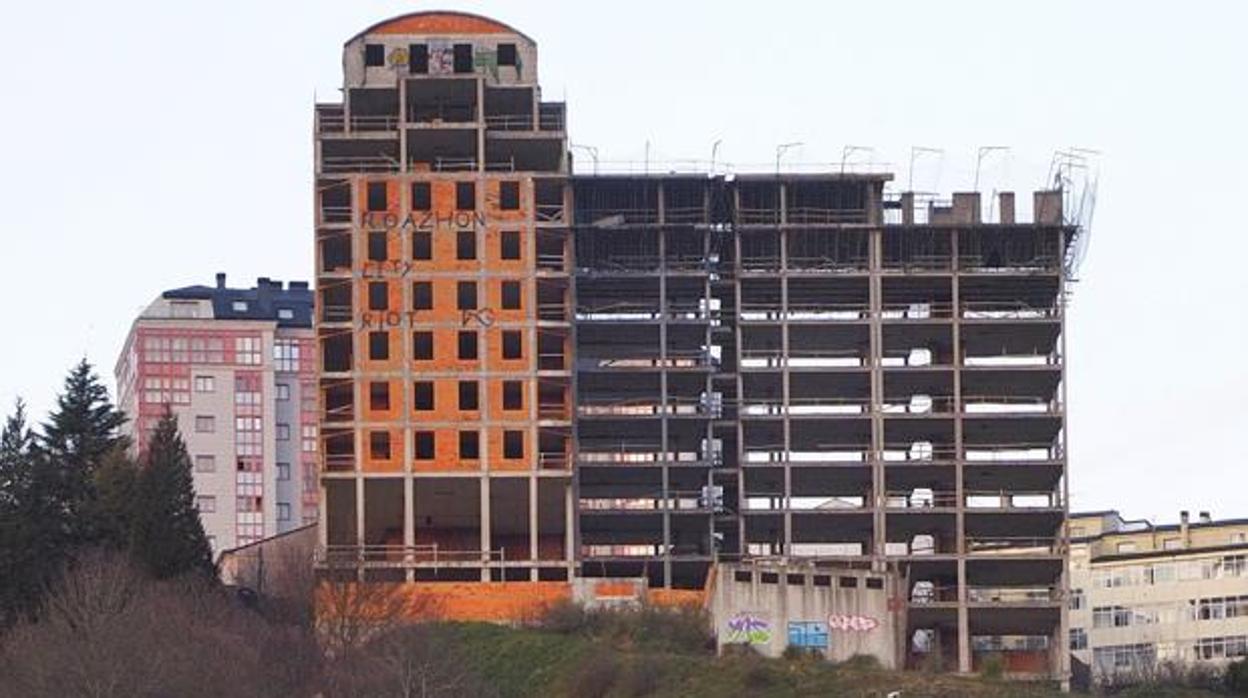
(33, 522)
(166, 536)
(80, 433)
(116, 484)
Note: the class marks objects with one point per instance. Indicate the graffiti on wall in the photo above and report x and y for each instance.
(746, 628)
(855, 624)
(808, 633)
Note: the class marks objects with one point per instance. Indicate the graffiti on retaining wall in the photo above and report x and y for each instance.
(857, 624)
(808, 633)
(748, 629)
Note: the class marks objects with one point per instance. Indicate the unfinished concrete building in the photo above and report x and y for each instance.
(709, 367)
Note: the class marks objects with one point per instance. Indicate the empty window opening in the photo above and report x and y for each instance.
(509, 242)
(466, 295)
(423, 445)
(379, 346)
(511, 344)
(379, 396)
(374, 55)
(469, 445)
(847, 582)
(379, 445)
(507, 54)
(513, 395)
(467, 345)
(463, 58)
(377, 246)
(511, 295)
(743, 576)
(422, 245)
(468, 396)
(466, 244)
(509, 196)
(378, 295)
(418, 58)
(513, 444)
(422, 295)
(422, 345)
(465, 196)
(770, 578)
(377, 196)
(422, 197)
(796, 579)
(422, 395)
(822, 580)
(875, 582)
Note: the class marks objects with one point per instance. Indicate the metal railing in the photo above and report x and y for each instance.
(359, 163)
(424, 555)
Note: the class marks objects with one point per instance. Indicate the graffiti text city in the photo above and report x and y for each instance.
(421, 220)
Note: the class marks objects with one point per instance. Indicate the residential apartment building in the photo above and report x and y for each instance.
(1144, 593)
(236, 366)
(532, 375)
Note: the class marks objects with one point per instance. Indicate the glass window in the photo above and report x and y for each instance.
(206, 504)
(205, 464)
(205, 424)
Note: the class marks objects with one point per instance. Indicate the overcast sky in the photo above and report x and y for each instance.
(147, 145)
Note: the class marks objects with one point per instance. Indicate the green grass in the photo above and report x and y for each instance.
(540, 663)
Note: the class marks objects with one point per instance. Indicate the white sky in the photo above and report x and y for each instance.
(147, 145)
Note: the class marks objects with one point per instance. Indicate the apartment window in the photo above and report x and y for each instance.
(422, 196)
(467, 345)
(205, 384)
(466, 244)
(379, 396)
(1127, 546)
(1172, 544)
(285, 314)
(378, 295)
(239, 306)
(513, 444)
(422, 395)
(283, 471)
(283, 511)
(205, 424)
(847, 582)
(377, 196)
(205, 464)
(1077, 599)
(247, 350)
(466, 295)
(509, 243)
(422, 245)
(379, 445)
(1238, 538)
(509, 196)
(424, 445)
(377, 251)
(418, 58)
(469, 445)
(1078, 639)
(206, 504)
(379, 346)
(422, 346)
(468, 396)
(511, 344)
(283, 432)
(285, 355)
(511, 295)
(374, 55)
(283, 392)
(465, 196)
(422, 295)
(462, 58)
(507, 55)
(513, 395)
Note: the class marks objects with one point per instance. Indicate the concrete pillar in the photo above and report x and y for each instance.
(486, 546)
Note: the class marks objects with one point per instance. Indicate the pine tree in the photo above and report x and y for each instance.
(116, 484)
(80, 433)
(166, 536)
(33, 522)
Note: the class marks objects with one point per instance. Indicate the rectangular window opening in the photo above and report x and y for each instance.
(468, 396)
(467, 345)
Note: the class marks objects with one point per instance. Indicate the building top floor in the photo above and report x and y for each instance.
(1107, 537)
(287, 305)
(439, 44)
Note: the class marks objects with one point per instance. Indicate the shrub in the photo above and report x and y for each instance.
(643, 677)
(994, 667)
(1237, 677)
(596, 677)
(681, 629)
(862, 662)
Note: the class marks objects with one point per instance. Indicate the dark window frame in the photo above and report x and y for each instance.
(374, 55)
(510, 338)
(509, 196)
(379, 396)
(378, 301)
(508, 54)
(378, 197)
(462, 58)
(510, 245)
(424, 445)
(466, 295)
(513, 395)
(511, 295)
(422, 295)
(379, 445)
(422, 340)
(465, 196)
(418, 59)
(422, 245)
(422, 196)
(469, 396)
(373, 351)
(466, 339)
(510, 448)
(424, 396)
(378, 246)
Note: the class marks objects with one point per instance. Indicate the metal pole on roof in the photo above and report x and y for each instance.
(780, 150)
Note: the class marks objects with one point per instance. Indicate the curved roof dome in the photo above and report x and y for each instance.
(440, 22)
